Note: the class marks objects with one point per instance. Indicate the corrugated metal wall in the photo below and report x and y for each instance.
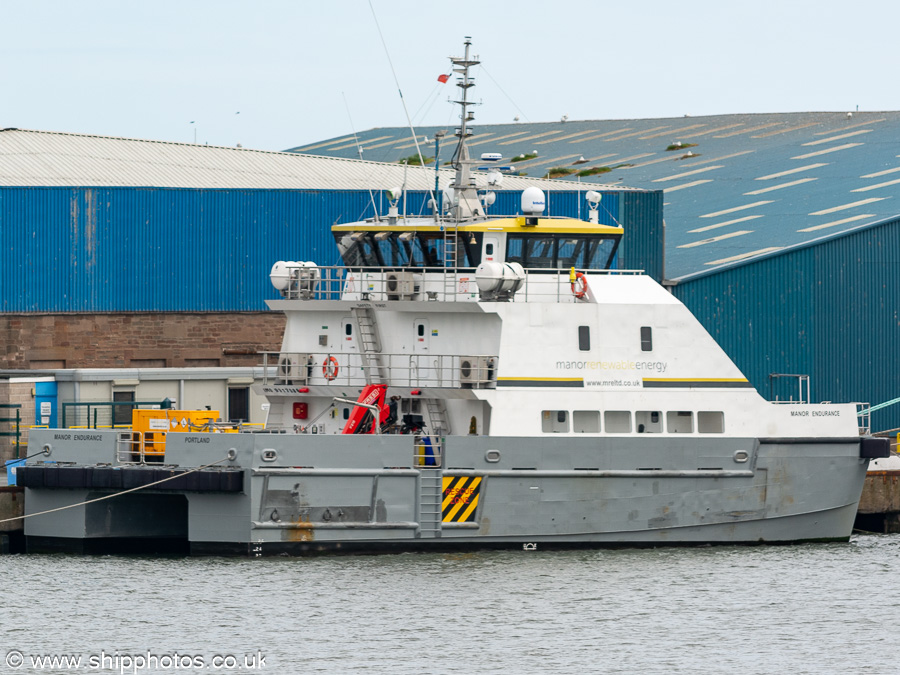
(830, 310)
(644, 240)
(163, 249)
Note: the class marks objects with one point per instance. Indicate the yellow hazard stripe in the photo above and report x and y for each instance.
(469, 513)
(460, 498)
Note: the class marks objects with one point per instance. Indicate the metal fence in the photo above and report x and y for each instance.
(104, 414)
(15, 423)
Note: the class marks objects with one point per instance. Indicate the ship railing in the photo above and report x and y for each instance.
(301, 369)
(371, 284)
(864, 418)
(130, 447)
(800, 381)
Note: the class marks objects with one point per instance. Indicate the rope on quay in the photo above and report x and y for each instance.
(116, 494)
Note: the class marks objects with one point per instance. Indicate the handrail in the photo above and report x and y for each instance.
(476, 371)
(130, 447)
(427, 284)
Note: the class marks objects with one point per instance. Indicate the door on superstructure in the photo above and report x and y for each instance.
(422, 366)
(348, 335)
(349, 346)
(491, 249)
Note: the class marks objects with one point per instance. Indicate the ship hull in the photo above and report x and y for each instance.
(300, 494)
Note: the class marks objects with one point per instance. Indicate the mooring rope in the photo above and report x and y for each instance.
(115, 494)
(22, 459)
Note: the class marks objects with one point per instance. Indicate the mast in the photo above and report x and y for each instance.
(466, 202)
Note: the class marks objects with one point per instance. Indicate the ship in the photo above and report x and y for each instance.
(468, 380)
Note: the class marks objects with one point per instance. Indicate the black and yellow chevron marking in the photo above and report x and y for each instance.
(460, 499)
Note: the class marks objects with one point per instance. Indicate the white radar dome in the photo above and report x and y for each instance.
(533, 200)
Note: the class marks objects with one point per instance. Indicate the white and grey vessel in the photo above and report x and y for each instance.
(527, 393)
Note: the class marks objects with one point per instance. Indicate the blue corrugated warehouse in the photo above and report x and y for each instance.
(175, 238)
(780, 233)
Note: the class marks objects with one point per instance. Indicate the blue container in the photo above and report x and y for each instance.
(11, 465)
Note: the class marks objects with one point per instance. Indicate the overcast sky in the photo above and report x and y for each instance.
(274, 74)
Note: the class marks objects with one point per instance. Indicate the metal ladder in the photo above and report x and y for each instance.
(450, 264)
(431, 494)
(438, 421)
(369, 345)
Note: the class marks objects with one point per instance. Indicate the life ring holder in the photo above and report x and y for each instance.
(330, 368)
(579, 284)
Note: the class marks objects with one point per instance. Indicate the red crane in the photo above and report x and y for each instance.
(361, 417)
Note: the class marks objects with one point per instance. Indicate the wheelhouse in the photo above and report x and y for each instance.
(552, 244)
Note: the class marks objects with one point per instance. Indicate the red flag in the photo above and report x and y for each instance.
(443, 78)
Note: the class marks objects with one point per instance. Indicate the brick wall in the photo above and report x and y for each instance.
(51, 341)
(15, 393)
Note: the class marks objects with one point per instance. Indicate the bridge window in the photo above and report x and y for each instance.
(393, 252)
(403, 249)
(561, 251)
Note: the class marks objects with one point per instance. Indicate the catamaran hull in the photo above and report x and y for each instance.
(290, 494)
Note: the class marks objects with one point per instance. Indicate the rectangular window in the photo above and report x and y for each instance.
(585, 421)
(584, 338)
(648, 421)
(679, 422)
(646, 339)
(239, 404)
(561, 251)
(515, 249)
(711, 422)
(121, 413)
(617, 421)
(570, 253)
(555, 421)
(539, 252)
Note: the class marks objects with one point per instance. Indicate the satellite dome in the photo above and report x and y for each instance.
(533, 201)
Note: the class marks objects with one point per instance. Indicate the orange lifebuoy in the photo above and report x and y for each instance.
(579, 285)
(330, 368)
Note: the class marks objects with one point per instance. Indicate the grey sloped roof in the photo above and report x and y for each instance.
(752, 185)
(45, 158)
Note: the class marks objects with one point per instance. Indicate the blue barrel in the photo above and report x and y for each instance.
(11, 465)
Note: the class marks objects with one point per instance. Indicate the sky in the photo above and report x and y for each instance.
(276, 74)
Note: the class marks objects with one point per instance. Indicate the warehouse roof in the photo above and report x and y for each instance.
(44, 158)
(736, 186)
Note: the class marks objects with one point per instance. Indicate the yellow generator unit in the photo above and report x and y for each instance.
(149, 427)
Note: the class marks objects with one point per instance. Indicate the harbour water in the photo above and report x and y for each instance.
(818, 608)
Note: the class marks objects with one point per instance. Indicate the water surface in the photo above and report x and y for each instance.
(818, 608)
